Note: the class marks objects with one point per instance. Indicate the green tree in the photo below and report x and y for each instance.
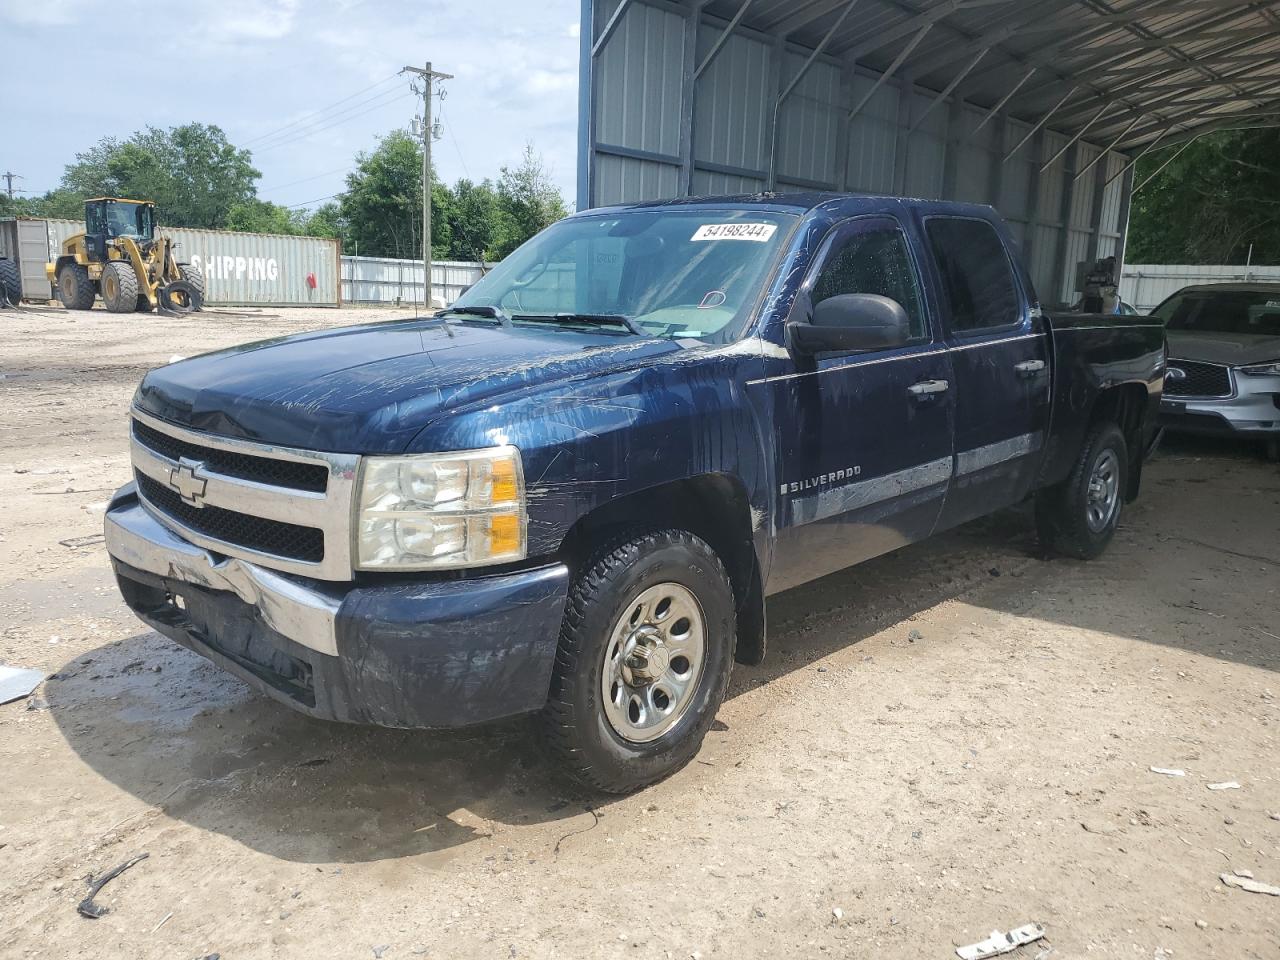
(476, 221)
(325, 221)
(262, 216)
(383, 202)
(1221, 195)
(194, 175)
(528, 200)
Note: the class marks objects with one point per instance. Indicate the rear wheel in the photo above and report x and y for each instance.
(1079, 516)
(119, 285)
(646, 648)
(10, 281)
(75, 289)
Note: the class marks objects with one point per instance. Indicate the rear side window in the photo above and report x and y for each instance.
(977, 278)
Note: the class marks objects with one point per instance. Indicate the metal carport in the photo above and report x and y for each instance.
(1039, 107)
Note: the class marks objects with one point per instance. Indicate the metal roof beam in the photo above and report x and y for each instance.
(609, 28)
(892, 69)
(904, 28)
(1001, 102)
(1188, 30)
(1160, 42)
(1009, 26)
(795, 81)
(802, 15)
(1079, 133)
(946, 92)
(1039, 123)
(1145, 150)
(1107, 149)
(725, 34)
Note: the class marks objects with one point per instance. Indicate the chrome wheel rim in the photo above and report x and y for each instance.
(654, 660)
(1104, 491)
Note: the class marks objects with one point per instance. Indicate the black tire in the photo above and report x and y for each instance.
(194, 276)
(10, 281)
(1063, 512)
(119, 286)
(575, 726)
(75, 289)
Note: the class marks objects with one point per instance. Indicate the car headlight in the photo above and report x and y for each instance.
(441, 510)
(1262, 369)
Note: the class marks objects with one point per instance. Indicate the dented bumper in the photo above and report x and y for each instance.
(417, 653)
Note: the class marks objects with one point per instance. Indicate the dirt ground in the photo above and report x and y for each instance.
(953, 738)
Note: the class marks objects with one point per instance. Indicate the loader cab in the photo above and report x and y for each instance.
(107, 218)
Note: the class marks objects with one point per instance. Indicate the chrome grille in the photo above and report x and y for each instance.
(1204, 380)
(279, 507)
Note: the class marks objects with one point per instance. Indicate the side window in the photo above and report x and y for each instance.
(976, 276)
(873, 260)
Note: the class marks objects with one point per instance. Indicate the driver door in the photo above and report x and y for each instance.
(864, 440)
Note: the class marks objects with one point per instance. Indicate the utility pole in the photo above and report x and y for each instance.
(9, 178)
(429, 77)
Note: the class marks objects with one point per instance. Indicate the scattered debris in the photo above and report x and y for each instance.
(999, 943)
(16, 682)
(1225, 785)
(167, 917)
(1202, 924)
(1246, 874)
(379, 951)
(1169, 771)
(914, 635)
(1248, 883)
(1275, 816)
(836, 914)
(93, 911)
(89, 540)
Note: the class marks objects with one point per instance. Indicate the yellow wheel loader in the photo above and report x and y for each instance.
(120, 257)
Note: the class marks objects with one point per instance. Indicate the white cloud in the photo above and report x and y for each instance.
(575, 30)
(42, 13)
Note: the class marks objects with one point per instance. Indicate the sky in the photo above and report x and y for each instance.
(304, 84)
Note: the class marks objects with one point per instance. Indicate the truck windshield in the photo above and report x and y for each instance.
(1225, 311)
(671, 273)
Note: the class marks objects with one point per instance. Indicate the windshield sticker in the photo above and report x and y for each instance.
(713, 299)
(759, 232)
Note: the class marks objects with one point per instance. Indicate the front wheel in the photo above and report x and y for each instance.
(644, 658)
(1079, 516)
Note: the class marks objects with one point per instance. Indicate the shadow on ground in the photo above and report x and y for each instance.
(171, 729)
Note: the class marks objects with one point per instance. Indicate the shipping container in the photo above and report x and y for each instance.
(240, 269)
(27, 242)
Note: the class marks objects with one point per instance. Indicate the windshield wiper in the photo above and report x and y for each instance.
(588, 319)
(493, 313)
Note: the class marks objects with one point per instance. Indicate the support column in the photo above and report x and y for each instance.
(1061, 266)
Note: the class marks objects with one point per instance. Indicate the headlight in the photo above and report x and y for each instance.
(441, 510)
(1262, 369)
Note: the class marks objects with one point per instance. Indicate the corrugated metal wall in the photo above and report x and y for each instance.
(654, 131)
(1147, 285)
(240, 269)
(386, 280)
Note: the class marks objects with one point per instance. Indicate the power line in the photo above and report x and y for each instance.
(308, 118)
(307, 203)
(293, 183)
(336, 120)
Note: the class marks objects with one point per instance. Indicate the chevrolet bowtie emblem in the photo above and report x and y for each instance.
(189, 485)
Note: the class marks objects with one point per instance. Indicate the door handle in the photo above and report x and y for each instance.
(1029, 368)
(926, 388)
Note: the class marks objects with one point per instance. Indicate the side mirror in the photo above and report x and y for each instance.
(851, 321)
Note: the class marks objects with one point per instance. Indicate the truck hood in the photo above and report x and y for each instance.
(1233, 349)
(372, 388)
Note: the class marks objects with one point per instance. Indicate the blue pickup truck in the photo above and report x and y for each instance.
(569, 494)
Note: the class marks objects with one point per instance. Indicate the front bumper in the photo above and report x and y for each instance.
(1254, 410)
(410, 653)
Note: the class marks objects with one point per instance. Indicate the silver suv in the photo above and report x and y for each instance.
(1224, 361)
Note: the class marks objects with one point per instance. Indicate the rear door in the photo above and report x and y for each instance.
(999, 349)
(863, 439)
